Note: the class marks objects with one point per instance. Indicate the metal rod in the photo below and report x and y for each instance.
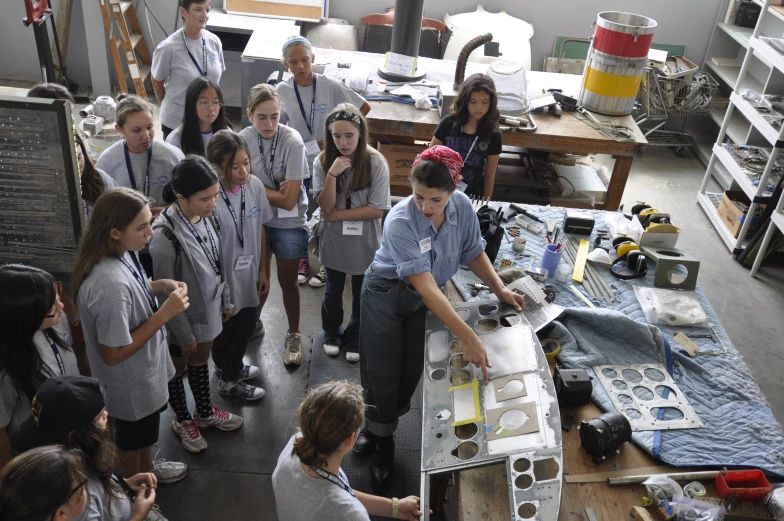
(407, 28)
(681, 476)
(586, 283)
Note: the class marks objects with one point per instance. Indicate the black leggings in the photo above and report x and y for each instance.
(230, 346)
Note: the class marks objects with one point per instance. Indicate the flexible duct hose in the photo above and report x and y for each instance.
(462, 59)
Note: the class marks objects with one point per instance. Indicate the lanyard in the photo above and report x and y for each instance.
(56, 352)
(213, 258)
(271, 170)
(130, 169)
(141, 278)
(124, 486)
(348, 196)
(241, 226)
(86, 213)
(203, 54)
(335, 480)
(470, 150)
(312, 105)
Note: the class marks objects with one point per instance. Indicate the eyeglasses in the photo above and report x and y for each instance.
(213, 104)
(58, 288)
(76, 489)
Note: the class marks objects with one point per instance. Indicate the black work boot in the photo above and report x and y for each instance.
(366, 442)
(382, 470)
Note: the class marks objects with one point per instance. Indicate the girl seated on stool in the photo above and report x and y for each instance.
(204, 115)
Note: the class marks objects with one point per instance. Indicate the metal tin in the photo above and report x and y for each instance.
(623, 34)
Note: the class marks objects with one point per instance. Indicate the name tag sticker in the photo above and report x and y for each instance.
(462, 186)
(424, 245)
(285, 214)
(352, 227)
(312, 147)
(243, 262)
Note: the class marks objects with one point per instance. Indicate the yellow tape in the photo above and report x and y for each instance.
(612, 85)
(580, 260)
(555, 351)
(477, 412)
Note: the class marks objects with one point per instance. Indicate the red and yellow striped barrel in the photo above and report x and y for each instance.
(616, 62)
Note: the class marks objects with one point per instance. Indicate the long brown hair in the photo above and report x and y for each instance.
(92, 184)
(116, 208)
(329, 415)
(100, 455)
(361, 164)
(476, 83)
(35, 484)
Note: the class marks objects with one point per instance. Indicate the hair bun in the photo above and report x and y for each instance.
(121, 97)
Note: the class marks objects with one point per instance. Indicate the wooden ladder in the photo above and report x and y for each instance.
(124, 44)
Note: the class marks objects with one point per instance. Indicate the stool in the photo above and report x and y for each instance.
(668, 258)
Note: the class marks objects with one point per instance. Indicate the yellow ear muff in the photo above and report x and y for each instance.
(625, 248)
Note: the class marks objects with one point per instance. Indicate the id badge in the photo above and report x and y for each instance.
(243, 262)
(285, 214)
(219, 290)
(462, 186)
(352, 227)
(312, 147)
(424, 245)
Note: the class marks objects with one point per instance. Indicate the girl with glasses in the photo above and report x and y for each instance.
(204, 115)
(35, 343)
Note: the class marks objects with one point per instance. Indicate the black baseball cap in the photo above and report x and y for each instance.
(61, 405)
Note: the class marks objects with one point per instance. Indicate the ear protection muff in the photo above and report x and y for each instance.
(636, 264)
(624, 245)
(657, 218)
(620, 240)
(637, 208)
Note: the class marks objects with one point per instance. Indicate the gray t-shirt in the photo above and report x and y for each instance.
(99, 508)
(257, 213)
(289, 164)
(108, 183)
(352, 254)
(329, 94)
(112, 304)
(14, 403)
(172, 64)
(175, 138)
(164, 158)
(300, 497)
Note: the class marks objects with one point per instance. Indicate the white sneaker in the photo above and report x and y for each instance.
(219, 419)
(352, 353)
(258, 331)
(241, 390)
(293, 345)
(331, 349)
(247, 372)
(169, 471)
(190, 436)
(155, 514)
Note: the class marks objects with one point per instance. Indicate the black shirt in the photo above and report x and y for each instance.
(459, 141)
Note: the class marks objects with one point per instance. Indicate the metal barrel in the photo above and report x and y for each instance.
(616, 62)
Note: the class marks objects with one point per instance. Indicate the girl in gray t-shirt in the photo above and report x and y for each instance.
(204, 115)
(187, 246)
(351, 181)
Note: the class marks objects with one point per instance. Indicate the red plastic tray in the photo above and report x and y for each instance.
(749, 485)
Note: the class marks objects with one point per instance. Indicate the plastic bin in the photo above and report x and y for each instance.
(748, 485)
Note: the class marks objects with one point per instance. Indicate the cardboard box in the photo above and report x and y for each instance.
(660, 236)
(400, 159)
(733, 215)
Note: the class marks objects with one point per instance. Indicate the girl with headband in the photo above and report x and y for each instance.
(351, 181)
(306, 99)
(426, 237)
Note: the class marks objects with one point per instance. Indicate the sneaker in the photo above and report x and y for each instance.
(352, 352)
(189, 433)
(248, 372)
(331, 344)
(293, 345)
(259, 330)
(302, 274)
(240, 390)
(169, 471)
(319, 280)
(220, 419)
(155, 514)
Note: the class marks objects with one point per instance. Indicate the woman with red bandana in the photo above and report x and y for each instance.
(426, 238)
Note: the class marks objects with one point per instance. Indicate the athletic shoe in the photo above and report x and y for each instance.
(319, 280)
(240, 390)
(352, 352)
(169, 471)
(331, 344)
(189, 433)
(248, 372)
(155, 514)
(259, 330)
(219, 419)
(302, 274)
(293, 345)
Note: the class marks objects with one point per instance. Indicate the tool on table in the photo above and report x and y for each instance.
(572, 386)
(695, 489)
(476, 287)
(603, 436)
(579, 261)
(581, 296)
(525, 212)
(578, 222)
(530, 225)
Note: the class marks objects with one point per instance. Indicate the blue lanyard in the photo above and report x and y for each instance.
(56, 352)
(130, 169)
(271, 170)
(470, 150)
(141, 278)
(312, 105)
(241, 226)
(335, 480)
(214, 258)
(203, 54)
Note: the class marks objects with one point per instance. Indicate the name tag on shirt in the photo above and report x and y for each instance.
(462, 186)
(284, 214)
(352, 227)
(243, 262)
(424, 245)
(312, 147)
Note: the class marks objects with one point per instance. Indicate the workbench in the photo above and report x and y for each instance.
(400, 122)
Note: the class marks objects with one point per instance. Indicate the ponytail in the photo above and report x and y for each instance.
(191, 175)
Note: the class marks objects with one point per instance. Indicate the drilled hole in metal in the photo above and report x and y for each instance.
(524, 481)
(438, 374)
(522, 465)
(460, 377)
(527, 510)
(467, 431)
(632, 375)
(466, 450)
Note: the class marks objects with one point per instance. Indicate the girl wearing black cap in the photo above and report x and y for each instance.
(34, 343)
(69, 411)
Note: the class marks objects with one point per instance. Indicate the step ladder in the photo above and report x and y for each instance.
(126, 46)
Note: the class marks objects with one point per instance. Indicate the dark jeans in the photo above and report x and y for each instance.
(332, 306)
(230, 346)
(166, 131)
(392, 350)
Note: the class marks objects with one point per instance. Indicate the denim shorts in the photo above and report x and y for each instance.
(289, 244)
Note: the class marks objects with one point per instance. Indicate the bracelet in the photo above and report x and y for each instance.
(395, 507)
(333, 175)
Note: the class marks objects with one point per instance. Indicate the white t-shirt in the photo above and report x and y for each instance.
(175, 139)
(172, 64)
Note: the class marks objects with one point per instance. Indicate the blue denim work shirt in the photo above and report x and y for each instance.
(406, 234)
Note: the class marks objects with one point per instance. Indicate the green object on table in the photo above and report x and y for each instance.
(579, 51)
